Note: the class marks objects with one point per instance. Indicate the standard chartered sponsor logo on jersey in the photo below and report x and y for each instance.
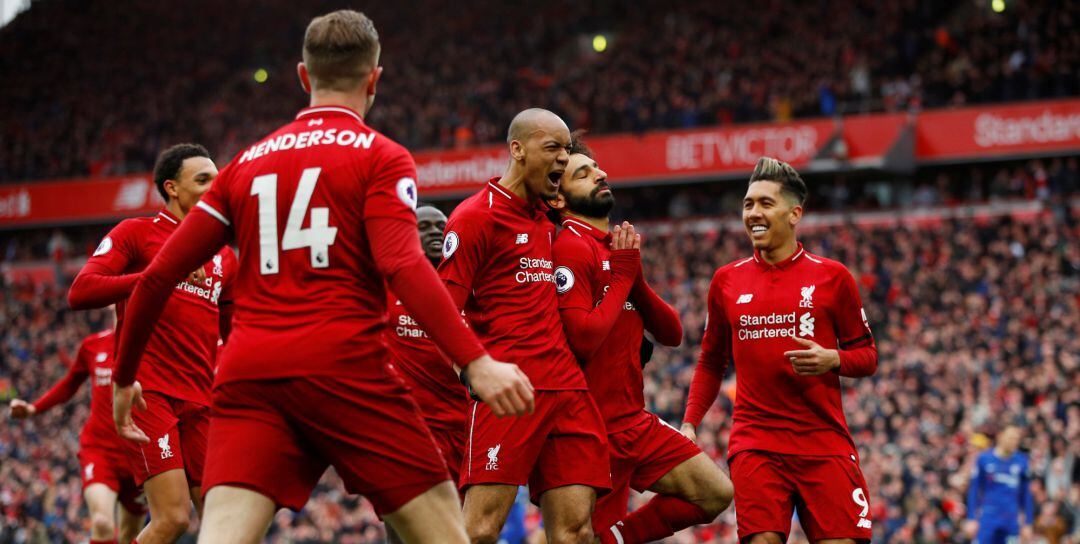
(534, 270)
(407, 327)
(211, 292)
(775, 325)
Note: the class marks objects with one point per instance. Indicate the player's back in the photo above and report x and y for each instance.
(309, 299)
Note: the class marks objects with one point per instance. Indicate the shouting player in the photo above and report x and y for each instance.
(497, 263)
(322, 211)
(606, 305)
(1000, 508)
(107, 480)
(793, 323)
(177, 373)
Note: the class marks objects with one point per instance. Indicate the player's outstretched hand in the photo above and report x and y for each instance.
(197, 277)
(689, 431)
(124, 398)
(502, 386)
(20, 409)
(814, 360)
(625, 237)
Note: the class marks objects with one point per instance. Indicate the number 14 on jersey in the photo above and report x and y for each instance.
(319, 236)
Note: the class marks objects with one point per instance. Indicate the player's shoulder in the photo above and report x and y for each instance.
(570, 239)
(744, 264)
(474, 209)
(102, 336)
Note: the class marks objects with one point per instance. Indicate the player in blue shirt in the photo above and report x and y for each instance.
(999, 492)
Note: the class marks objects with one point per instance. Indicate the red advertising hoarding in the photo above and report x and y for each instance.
(77, 201)
(991, 131)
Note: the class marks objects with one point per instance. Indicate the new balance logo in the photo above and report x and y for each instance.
(314, 122)
(166, 450)
(806, 325)
(522, 239)
(864, 524)
(744, 298)
(493, 458)
(89, 472)
(605, 265)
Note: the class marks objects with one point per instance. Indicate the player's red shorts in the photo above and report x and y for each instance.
(277, 437)
(451, 443)
(562, 443)
(177, 430)
(110, 467)
(828, 492)
(640, 455)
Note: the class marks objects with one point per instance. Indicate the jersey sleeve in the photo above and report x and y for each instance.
(69, 384)
(216, 201)
(102, 280)
(465, 248)
(391, 186)
(858, 354)
(714, 357)
(575, 270)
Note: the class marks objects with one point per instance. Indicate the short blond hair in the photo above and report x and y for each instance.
(777, 171)
(340, 49)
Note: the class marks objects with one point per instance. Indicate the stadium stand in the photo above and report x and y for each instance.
(975, 309)
(666, 65)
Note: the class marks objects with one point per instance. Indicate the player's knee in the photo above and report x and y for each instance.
(574, 532)
(766, 538)
(173, 523)
(101, 527)
(719, 498)
(484, 532)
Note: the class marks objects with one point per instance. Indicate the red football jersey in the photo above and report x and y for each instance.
(179, 356)
(309, 298)
(435, 385)
(95, 358)
(498, 247)
(755, 309)
(583, 277)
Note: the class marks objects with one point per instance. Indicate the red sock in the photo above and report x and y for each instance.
(659, 518)
(110, 541)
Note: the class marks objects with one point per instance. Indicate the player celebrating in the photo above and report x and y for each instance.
(1000, 493)
(322, 212)
(606, 305)
(498, 266)
(176, 379)
(106, 477)
(773, 314)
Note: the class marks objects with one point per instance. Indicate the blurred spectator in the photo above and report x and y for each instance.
(117, 81)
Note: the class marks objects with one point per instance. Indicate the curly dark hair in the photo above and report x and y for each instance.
(171, 160)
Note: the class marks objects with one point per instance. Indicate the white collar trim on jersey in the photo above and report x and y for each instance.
(324, 109)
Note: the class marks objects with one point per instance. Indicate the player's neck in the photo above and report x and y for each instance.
(331, 98)
(1002, 454)
(515, 183)
(780, 253)
(173, 207)
(599, 223)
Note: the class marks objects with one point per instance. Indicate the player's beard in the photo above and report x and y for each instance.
(593, 205)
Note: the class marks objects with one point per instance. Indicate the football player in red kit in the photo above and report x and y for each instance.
(793, 324)
(178, 369)
(606, 306)
(322, 211)
(433, 382)
(498, 266)
(107, 480)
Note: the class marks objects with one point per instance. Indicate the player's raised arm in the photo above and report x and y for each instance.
(101, 281)
(712, 362)
(587, 325)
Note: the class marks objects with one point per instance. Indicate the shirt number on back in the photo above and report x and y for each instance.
(319, 236)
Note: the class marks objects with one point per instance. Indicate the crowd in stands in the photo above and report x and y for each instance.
(103, 92)
(975, 320)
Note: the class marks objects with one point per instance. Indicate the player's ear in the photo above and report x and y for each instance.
(305, 80)
(373, 80)
(170, 188)
(517, 150)
(796, 215)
